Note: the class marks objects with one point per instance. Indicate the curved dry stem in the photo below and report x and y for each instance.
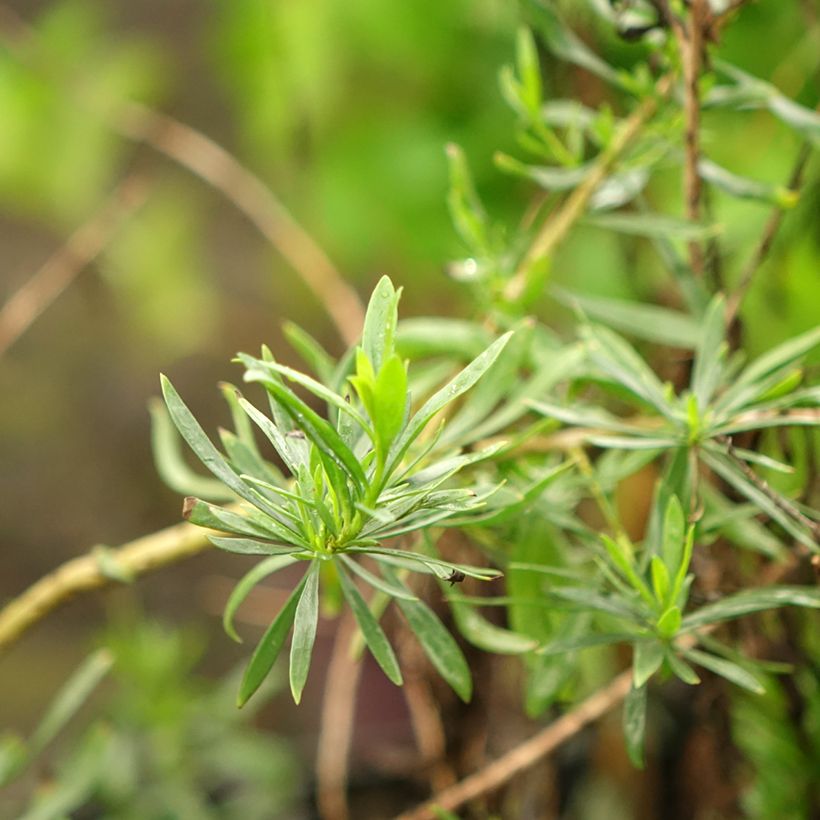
(98, 568)
(212, 163)
(336, 731)
(527, 754)
(27, 303)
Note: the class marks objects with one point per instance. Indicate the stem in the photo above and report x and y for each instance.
(89, 572)
(39, 291)
(559, 223)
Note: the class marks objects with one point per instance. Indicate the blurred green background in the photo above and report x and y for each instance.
(343, 110)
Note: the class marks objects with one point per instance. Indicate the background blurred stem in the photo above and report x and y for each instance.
(39, 291)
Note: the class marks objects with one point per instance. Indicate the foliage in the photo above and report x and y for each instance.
(163, 741)
(612, 337)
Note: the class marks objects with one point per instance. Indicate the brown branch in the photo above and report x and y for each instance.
(25, 305)
(97, 569)
(336, 732)
(690, 43)
(761, 252)
(527, 754)
(212, 163)
(559, 223)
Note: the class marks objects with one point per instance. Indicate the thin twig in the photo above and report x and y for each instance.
(38, 292)
(336, 732)
(761, 252)
(212, 163)
(560, 221)
(220, 169)
(527, 754)
(690, 43)
(96, 569)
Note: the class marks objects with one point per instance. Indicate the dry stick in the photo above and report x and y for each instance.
(94, 570)
(561, 221)
(85, 244)
(336, 732)
(690, 43)
(220, 169)
(763, 248)
(528, 753)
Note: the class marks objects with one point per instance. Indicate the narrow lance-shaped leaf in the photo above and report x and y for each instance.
(378, 336)
(460, 384)
(304, 632)
(171, 465)
(710, 354)
(269, 647)
(373, 634)
(634, 724)
(726, 669)
(246, 584)
(438, 644)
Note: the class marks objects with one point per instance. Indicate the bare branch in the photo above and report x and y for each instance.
(96, 569)
(527, 754)
(25, 305)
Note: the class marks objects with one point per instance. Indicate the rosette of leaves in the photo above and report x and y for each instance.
(367, 472)
(693, 431)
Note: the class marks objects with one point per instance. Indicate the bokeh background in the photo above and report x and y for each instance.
(343, 110)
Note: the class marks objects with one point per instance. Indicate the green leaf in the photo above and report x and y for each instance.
(752, 600)
(746, 388)
(438, 644)
(269, 647)
(246, 584)
(649, 322)
(729, 471)
(565, 44)
(465, 207)
(314, 355)
(393, 590)
(442, 569)
(745, 188)
(681, 669)
(171, 465)
(710, 354)
(562, 645)
(390, 400)
(72, 695)
(647, 659)
(634, 724)
(378, 336)
(259, 371)
(460, 384)
(304, 632)
(674, 535)
(373, 634)
(487, 636)
(250, 546)
(191, 431)
(420, 337)
(318, 431)
(623, 562)
(726, 669)
(652, 226)
(619, 360)
(669, 623)
(660, 579)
